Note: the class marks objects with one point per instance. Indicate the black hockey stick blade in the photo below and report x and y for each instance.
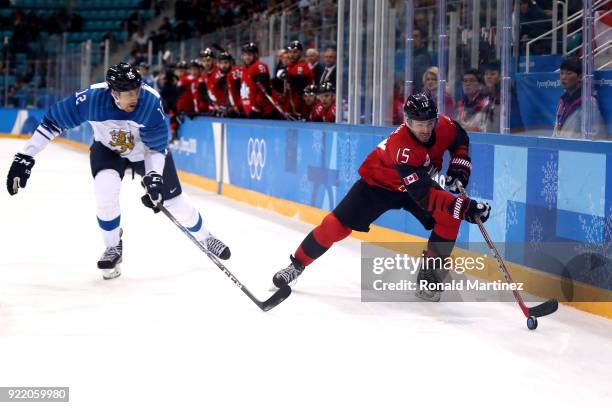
(544, 309)
(276, 299)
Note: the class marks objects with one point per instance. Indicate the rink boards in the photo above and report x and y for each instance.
(545, 193)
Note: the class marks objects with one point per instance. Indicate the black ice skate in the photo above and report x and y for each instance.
(429, 282)
(289, 274)
(217, 247)
(110, 262)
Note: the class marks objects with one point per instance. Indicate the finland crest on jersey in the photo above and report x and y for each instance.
(129, 134)
(121, 136)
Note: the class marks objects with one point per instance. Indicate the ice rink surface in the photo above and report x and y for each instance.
(173, 331)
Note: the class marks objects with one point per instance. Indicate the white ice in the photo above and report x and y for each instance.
(173, 331)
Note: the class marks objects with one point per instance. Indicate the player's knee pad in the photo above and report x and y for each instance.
(181, 207)
(446, 226)
(331, 230)
(107, 186)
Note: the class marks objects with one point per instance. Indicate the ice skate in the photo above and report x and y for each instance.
(432, 276)
(289, 274)
(110, 262)
(216, 247)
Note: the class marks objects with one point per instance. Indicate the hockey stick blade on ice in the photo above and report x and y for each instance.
(273, 301)
(543, 309)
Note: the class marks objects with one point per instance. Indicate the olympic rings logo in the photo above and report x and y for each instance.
(256, 157)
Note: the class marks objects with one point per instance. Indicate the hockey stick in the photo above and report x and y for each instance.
(278, 108)
(543, 309)
(274, 300)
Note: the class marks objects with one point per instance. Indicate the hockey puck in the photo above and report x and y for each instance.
(532, 323)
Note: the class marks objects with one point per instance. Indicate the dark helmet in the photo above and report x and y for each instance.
(143, 65)
(327, 87)
(224, 55)
(195, 63)
(250, 47)
(182, 65)
(310, 90)
(123, 77)
(420, 107)
(295, 45)
(208, 53)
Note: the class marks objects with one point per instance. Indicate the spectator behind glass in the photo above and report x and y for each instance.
(492, 80)
(147, 78)
(329, 71)
(534, 22)
(312, 56)
(420, 57)
(568, 123)
(474, 109)
(430, 85)
(280, 73)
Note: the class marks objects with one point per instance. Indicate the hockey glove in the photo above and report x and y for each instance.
(19, 173)
(459, 171)
(153, 184)
(464, 208)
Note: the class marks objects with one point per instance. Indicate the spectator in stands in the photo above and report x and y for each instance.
(492, 82)
(430, 84)
(299, 75)
(167, 85)
(534, 22)
(280, 73)
(139, 42)
(147, 78)
(325, 110)
(568, 124)
(420, 57)
(312, 56)
(474, 110)
(310, 101)
(329, 71)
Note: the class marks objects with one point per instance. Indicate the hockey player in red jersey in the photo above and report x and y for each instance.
(325, 109)
(185, 102)
(232, 76)
(298, 76)
(398, 175)
(310, 101)
(216, 85)
(256, 85)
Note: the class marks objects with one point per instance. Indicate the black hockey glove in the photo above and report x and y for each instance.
(469, 210)
(19, 173)
(459, 170)
(153, 184)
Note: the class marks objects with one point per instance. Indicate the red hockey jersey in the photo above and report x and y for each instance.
(299, 76)
(256, 80)
(186, 85)
(402, 150)
(321, 114)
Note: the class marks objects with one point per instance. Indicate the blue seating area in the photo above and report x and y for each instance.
(34, 29)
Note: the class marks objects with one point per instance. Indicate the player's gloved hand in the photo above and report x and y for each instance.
(153, 184)
(19, 172)
(470, 210)
(459, 171)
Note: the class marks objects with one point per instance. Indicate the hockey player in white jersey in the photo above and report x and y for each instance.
(130, 132)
